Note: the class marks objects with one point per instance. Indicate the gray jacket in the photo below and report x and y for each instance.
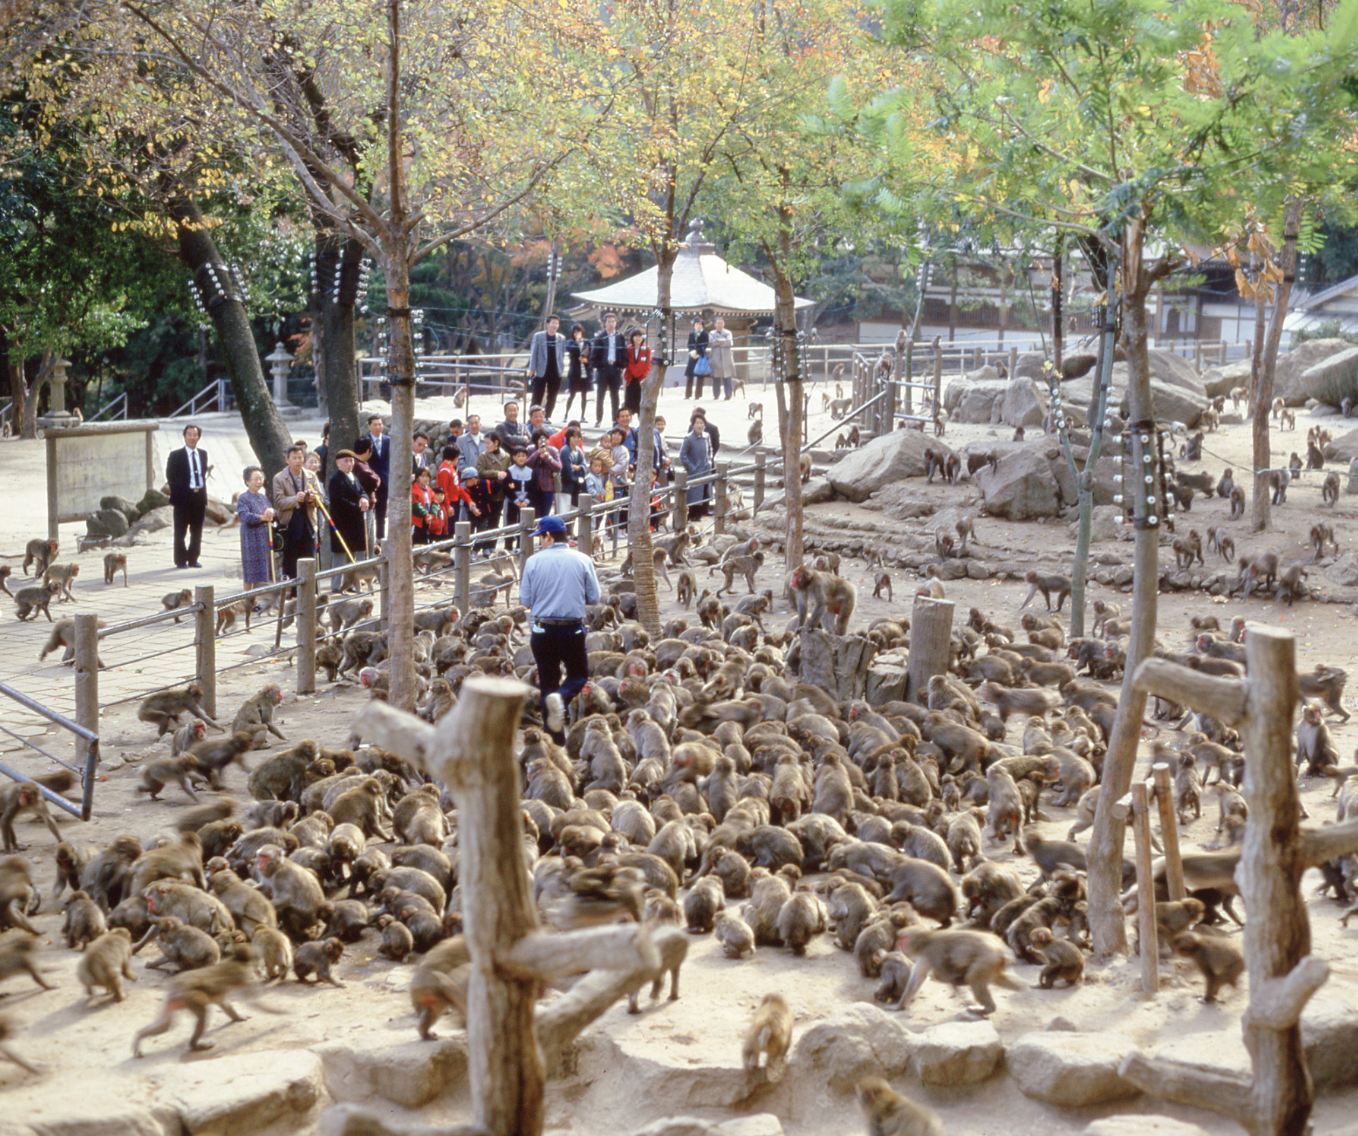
(469, 449)
(537, 354)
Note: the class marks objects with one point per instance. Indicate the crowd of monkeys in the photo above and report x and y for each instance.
(701, 785)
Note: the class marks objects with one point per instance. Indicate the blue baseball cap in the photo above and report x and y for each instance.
(554, 525)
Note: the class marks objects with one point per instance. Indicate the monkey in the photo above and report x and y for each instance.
(1062, 960)
(106, 962)
(192, 732)
(39, 553)
(1315, 745)
(215, 755)
(1219, 959)
(940, 422)
(1103, 612)
(1315, 459)
(29, 601)
(1046, 585)
(345, 614)
(1329, 491)
(755, 434)
(1025, 701)
(1191, 450)
(20, 797)
(960, 958)
(362, 806)
(1237, 503)
(770, 1033)
(1187, 789)
(734, 934)
(1226, 546)
(1186, 549)
(801, 918)
(273, 952)
(1226, 484)
(704, 902)
(196, 990)
(84, 921)
(891, 1114)
(734, 566)
(942, 544)
(164, 708)
(18, 953)
(965, 530)
(112, 562)
(1321, 535)
(183, 770)
(259, 710)
(1278, 481)
(831, 594)
(182, 946)
(1290, 586)
(5, 572)
(882, 582)
(895, 977)
(1264, 566)
(1006, 807)
(804, 468)
(756, 410)
(317, 958)
(173, 601)
(952, 469)
(1327, 684)
(296, 892)
(933, 463)
(61, 575)
(285, 775)
(397, 941)
(440, 983)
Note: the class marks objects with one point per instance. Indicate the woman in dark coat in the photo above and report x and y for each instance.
(348, 504)
(697, 349)
(577, 373)
(256, 528)
(696, 457)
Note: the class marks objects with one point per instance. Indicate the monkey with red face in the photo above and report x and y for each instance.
(825, 595)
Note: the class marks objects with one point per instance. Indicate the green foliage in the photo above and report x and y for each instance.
(1330, 329)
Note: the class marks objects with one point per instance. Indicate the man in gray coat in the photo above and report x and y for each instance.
(546, 365)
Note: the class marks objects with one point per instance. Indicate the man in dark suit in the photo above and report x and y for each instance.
(186, 471)
(608, 358)
(380, 461)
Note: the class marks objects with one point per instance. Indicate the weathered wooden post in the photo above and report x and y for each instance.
(680, 522)
(383, 590)
(584, 533)
(528, 522)
(205, 627)
(1221, 354)
(1169, 831)
(471, 753)
(306, 626)
(1013, 361)
(462, 565)
(1145, 887)
(760, 472)
(1277, 1100)
(719, 498)
(930, 646)
(86, 678)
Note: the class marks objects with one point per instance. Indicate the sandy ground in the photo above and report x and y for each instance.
(84, 1050)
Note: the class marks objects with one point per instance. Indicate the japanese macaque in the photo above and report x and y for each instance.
(113, 561)
(1226, 484)
(1186, 549)
(831, 596)
(1237, 503)
(36, 598)
(1315, 457)
(84, 921)
(940, 422)
(1219, 959)
(440, 983)
(943, 544)
(734, 566)
(258, 710)
(933, 463)
(187, 735)
(769, 1034)
(317, 958)
(891, 1114)
(1326, 683)
(173, 601)
(965, 531)
(960, 958)
(1261, 569)
(63, 636)
(1062, 960)
(40, 553)
(106, 962)
(755, 434)
(1315, 745)
(19, 797)
(1321, 535)
(165, 708)
(882, 582)
(196, 990)
(1046, 585)
(804, 467)
(1329, 490)
(1290, 586)
(183, 770)
(62, 575)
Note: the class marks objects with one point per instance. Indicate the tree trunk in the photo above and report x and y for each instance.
(639, 505)
(789, 409)
(1058, 315)
(264, 426)
(1266, 360)
(1107, 921)
(33, 398)
(336, 367)
(1261, 394)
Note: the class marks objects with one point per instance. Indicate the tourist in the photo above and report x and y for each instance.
(256, 530)
(719, 354)
(574, 465)
(697, 349)
(695, 455)
(380, 463)
(545, 461)
(421, 506)
(546, 363)
(420, 457)
(638, 367)
(516, 488)
(349, 506)
(558, 583)
(455, 494)
(295, 493)
(511, 429)
(470, 445)
(493, 467)
(578, 351)
(323, 452)
(609, 356)
(186, 471)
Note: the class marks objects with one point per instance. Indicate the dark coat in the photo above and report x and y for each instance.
(348, 517)
(177, 473)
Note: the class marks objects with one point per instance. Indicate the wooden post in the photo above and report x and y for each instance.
(584, 533)
(1221, 354)
(1145, 890)
(462, 565)
(384, 587)
(938, 377)
(1197, 355)
(527, 523)
(680, 522)
(472, 755)
(306, 626)
(977, 358)
(86, 678)
(886, 409)
(930, 646)
(1169, 831)
(719, 498)
(760, 460)
(205, 626)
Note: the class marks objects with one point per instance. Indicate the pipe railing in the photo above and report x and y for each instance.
(88, 774)
(114, 408)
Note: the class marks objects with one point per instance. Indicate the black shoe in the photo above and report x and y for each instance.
(195, 564)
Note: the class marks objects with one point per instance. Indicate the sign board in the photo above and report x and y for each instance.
(87, 463)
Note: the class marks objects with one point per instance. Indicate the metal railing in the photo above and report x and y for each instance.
(87, 774)
(213, 396)
(7, 415)
(114, 408)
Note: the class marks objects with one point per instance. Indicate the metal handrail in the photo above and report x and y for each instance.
(109, 408)
(214, 392)
(91, 756)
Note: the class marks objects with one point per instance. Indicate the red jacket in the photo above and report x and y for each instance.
(638, 362)
(421, 505)
(451, 484)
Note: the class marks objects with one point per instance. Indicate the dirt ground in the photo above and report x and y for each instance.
(83, 1046)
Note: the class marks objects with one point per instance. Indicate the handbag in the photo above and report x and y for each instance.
(703, 367)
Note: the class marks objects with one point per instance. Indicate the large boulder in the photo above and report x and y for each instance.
(1288, 382)
(105, 522)
(1031, 366)
(153, 520)
(1333, 379)
(1032, 481)
(1177, 393)
(975, 402)
(957, 1053)
(1070, 1069)
(1219, 381)
(855, 1042)
(123, 505)
(1025, 404)
(892, 457)
(1329, 1034)
(1344, 571)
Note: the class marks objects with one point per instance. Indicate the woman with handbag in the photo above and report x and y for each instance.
(638, 367)
(699, 366)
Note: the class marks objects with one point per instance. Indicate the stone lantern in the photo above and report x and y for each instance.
(279, 362)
